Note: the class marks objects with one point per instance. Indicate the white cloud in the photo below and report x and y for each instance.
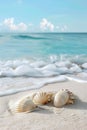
(9, 22)
(22, 26)
(46, 25)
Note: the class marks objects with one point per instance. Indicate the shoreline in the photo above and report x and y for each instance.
(69, 117)
(22, 84)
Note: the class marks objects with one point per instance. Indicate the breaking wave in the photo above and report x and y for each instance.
(51, 71)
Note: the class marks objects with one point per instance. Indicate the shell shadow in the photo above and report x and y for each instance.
(44, 109)
(79, 104)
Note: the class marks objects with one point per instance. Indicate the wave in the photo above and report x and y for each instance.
(37, 36)
(29, 37)
(54, 69)
(54, 66)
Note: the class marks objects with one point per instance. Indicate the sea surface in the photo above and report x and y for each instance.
(41, 58)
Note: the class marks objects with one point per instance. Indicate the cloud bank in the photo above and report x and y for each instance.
(9, 22)
(46, 25)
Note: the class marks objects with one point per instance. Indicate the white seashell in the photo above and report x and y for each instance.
(22, 105)
(42, 98)
(63, 97)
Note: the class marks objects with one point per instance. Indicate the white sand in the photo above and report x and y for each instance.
(70, 117)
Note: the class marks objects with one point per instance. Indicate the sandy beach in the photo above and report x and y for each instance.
(69, 117)
(43, 48)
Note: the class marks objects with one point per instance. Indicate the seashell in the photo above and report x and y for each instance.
(42, 98)
(63, 97)
(22, 105)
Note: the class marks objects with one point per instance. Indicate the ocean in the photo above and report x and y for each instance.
(39, 45)
(26, 58)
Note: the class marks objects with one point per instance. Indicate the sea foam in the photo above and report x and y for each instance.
(40, 84)
(39, 73)
(18, 68)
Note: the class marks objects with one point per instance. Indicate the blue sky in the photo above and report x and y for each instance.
(43, 15)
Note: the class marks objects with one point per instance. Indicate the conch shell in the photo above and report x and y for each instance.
(41, 98)
(22, 105)
(63, 97)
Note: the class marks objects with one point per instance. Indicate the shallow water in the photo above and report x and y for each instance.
(39, 56)
(13, 46)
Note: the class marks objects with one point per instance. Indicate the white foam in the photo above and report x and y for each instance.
(83, 75)
(53, 58)
(63, 64)
(13, 68)
(40, 83)
(75, 68)
(38, 64)
(26, 70)
(6, 72)
(76, 79)
(84, 65)
(52, 68)
(36, 86)
(48, 73)
(15, 63)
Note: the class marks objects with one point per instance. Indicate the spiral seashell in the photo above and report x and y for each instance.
(42, 98)
(22, 105)
(63, 97)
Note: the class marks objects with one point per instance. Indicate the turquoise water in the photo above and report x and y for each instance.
(54, 57)
(19, 45)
